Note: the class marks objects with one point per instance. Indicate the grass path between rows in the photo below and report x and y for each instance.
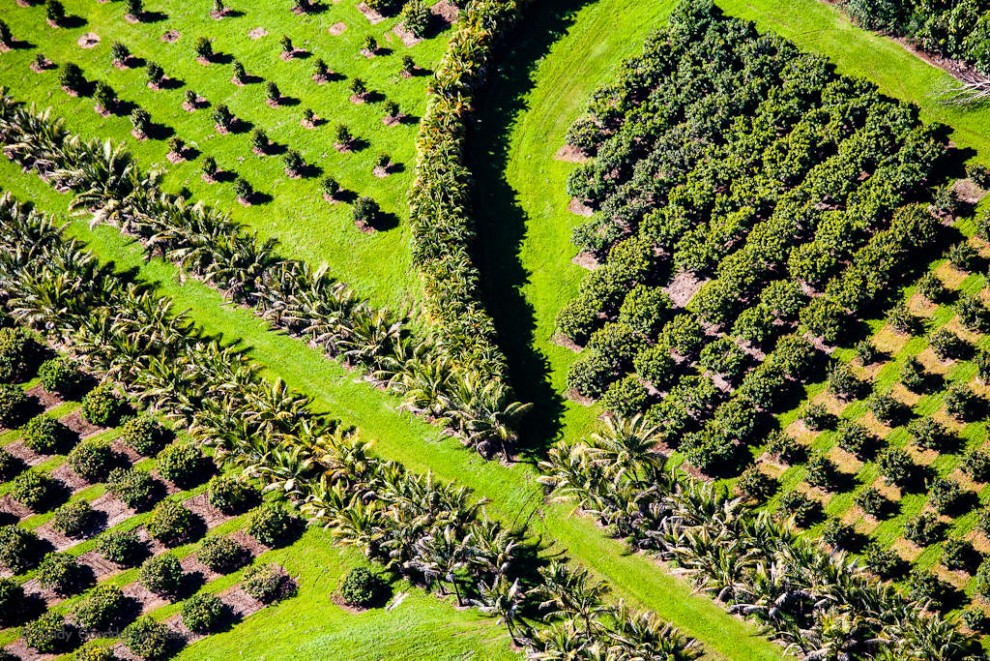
(514, 493)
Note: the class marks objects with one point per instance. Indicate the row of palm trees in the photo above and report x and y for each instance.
(823, 605)
(439, 200)
(290, 294)
(432, 533)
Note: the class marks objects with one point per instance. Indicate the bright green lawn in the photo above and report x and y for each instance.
(308, 227)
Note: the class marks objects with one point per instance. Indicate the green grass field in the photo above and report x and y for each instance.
(562, 53)
(309, 228)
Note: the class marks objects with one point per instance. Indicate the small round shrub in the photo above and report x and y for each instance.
(92, 460)
(103, 609)
(882, 562)
(925, 586)
(222, 554)
(172, 524)
(11, 601)
(144, 435)
(49, 634)
(874, 503)
(976, 464)
(822, 473)
(74, 519)
(149, 639)
(102, 405)
(136, 488)
(162, 574)
(896, 466)
(784, 447)
(267, 583)
(203, 613)
(958, 554)
(854, 438)
(945, 495)
(817, 418)
(122, 547)
(838, 534)
(19, 355)
(362, 587)
(18, 549)
(885, 408)
(756, 484)
(61, 573)
(924, 529)
(46, 435)
(229, 495)
(13, 405)
(626, 397)
(95, 653)
(9, 465)
(61, 375)
(974, 618)
(946, 345)
(929, 434)
(272, 524)
(802, 509)
(182, 464)
(867, 352)
(35, 490)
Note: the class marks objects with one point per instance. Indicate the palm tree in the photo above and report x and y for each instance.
(504, 601)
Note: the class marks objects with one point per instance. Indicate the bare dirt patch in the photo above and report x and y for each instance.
(683, 287)
(89, 40)
(586, 260)
(122, 448)
(201, 505)
(171, 36)
(253, 546)
(337, 29)
(102, 568)
(370, 14)
(113, 507)
(578, 398)
(258, 33)
(14, 508)
(562, 340)
(24, 453)
(75, 422)
(69, 477)
(149, 600)
(240, 602)
(446, 10)
(20, 650)
(570, 154)
(576, 207)
(407, 38)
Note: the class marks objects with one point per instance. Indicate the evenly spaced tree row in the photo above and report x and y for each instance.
(428, 532)
(288, 293)
(764, 192)
(955, 29)
(823, 605)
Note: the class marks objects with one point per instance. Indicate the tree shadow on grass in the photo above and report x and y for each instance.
(501, 223)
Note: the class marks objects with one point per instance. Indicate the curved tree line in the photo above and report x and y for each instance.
(823, 605)
(288, 293)
(431, 533)
(442, 225)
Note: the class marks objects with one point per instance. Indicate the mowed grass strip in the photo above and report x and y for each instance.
(376, 265)
(514, 493)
